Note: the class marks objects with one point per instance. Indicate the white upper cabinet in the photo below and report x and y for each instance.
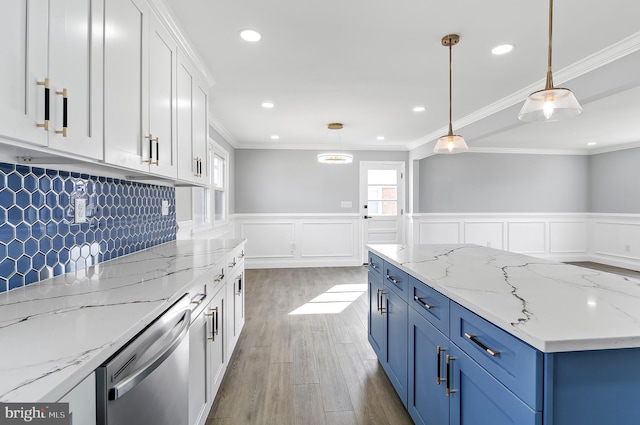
(140, 63)
(161, 129)
(52, 51)
(125, 70)
(192, 124)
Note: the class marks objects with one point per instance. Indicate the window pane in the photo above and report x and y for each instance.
(389, 208)
(199, 199)
(218, 171)
(386, 177)
(219, 205)
(374, 208)
(377, 193)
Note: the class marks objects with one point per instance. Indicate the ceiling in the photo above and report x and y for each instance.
(368, 63)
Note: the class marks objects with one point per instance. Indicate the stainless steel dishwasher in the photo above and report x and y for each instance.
(147, 382)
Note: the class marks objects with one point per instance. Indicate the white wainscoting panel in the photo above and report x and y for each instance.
(300, 240)
(327, 240)
(269, 240)
(489, 234)
(527, 238)
(439, 232)
(617, 239)
(567, 237)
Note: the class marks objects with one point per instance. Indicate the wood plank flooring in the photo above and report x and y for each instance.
(306, 369)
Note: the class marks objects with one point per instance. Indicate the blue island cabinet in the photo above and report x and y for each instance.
(462, 369)
(388, 322)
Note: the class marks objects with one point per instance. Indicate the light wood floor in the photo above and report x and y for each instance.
(606, 268)
(307, 368)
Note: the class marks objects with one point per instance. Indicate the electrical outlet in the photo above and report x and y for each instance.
(165, 207)
(80, 211)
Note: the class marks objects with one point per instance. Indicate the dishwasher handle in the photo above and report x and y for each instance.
(130, 382)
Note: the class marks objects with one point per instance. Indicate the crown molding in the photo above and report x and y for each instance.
(165, 15)
(221, 129)
(603, 57)
(323, 147)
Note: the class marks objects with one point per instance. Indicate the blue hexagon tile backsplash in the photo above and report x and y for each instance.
(39, 235)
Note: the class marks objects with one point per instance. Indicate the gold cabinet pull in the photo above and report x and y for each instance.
(151, 141)
(474, 339)
(449, 360)
(45, 124)
(422, 302)
(65, 110)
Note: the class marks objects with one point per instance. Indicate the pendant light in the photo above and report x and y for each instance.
(450, 143)
(550, 104)
(335, 157)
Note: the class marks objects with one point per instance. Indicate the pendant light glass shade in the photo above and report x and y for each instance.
(550, 104)
(450, 143)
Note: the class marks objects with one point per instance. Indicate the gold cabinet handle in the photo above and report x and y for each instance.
(449, 360)
(65, 109)
(151, 141)
(422, 302)
(474, 339)
(439, 351)
(45, 124)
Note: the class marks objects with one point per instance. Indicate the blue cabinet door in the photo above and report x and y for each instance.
(396, 355)
(427, 401)
(377, 320)
(477, 398)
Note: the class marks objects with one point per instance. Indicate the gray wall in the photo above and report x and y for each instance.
(489, 182)
(614, 182)
(292, 181)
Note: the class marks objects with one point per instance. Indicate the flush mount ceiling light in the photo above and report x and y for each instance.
(419, 109)
(550, 104)
(250, 35)
(275, 137)
(335, 157)
(450, 143)
(267, 105)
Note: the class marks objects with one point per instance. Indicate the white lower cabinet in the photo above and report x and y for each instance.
(235, 315)
(199, 359)
(82, 402)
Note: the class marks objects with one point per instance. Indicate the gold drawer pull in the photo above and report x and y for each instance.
(474, 339)
(421, 301)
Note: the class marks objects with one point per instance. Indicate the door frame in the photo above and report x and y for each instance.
(362, 198)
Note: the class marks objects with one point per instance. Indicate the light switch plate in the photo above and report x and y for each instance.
(165, 207)
(346, 204)
(80, 211)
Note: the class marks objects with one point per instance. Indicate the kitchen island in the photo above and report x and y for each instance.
(54, 333)
(511, 337)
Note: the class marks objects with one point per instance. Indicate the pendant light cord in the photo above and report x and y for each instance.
(549, 83)
(450, 90)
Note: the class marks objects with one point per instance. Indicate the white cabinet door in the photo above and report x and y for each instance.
(75, 72)
(187, 161)
(126, 67)
(216, 314)
(199, 359)
(82, 401)
(23, 63)
(162, 111)
(235, 311)
(201, 129)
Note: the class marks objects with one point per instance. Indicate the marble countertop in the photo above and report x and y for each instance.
(552, 306)
(56, 332)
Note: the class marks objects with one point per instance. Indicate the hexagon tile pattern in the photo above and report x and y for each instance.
(39, 238)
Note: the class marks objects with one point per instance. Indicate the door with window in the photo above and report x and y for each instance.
(381, 202)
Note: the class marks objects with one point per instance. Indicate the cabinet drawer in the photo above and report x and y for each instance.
(396, 280)
(517, 365)
(429, 303)
(375, 267)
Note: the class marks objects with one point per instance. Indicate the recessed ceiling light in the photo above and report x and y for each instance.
(250, 35)
(419, 109)
(275, 137)
(592, 144)
(380, 138)
(268, 105)
(502, 49)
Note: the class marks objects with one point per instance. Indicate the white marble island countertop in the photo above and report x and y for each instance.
(56, 332)
(552, 306)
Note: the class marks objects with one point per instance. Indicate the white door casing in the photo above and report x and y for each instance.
(381, 202)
